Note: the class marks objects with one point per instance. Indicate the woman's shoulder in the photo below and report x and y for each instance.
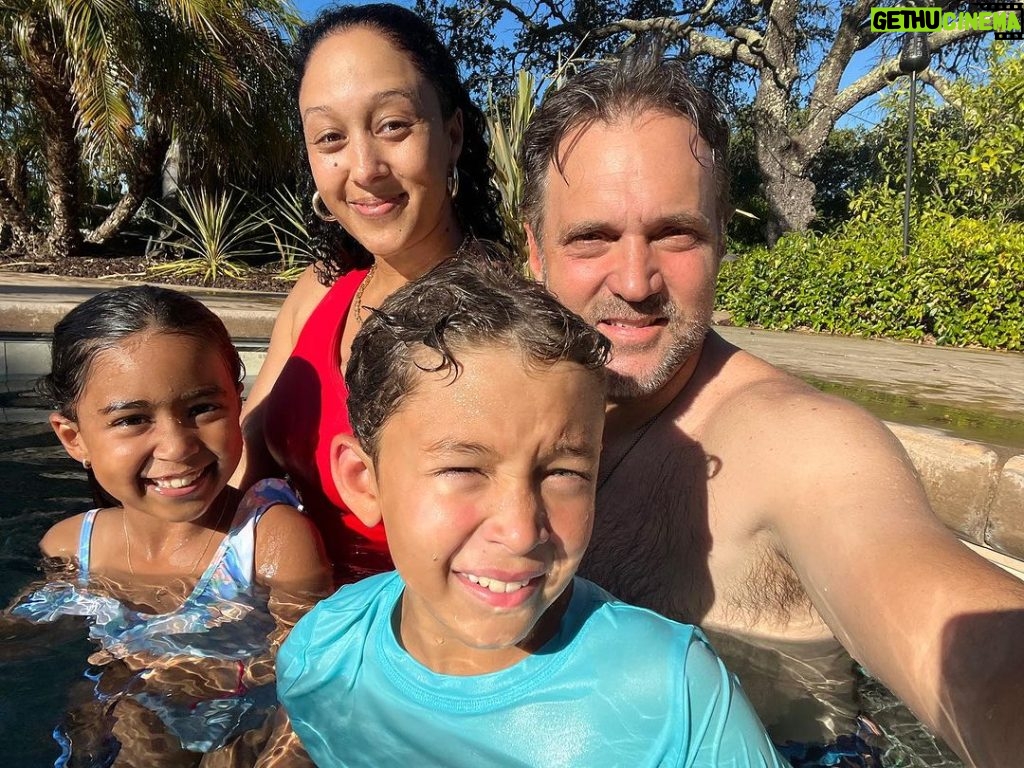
(304, 297)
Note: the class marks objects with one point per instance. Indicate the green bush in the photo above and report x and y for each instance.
(961, 284)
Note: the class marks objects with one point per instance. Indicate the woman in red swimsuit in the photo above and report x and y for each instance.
(398, 156)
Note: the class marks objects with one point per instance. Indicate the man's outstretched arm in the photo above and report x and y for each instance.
(939, 625)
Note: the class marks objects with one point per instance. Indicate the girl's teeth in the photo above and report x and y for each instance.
(497, 586)
(176, 482)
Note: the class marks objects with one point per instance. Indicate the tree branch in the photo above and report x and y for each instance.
(941, 85)
(699, 42)
(843, 47)
(140, 181)
(883, 73)
(521, 16)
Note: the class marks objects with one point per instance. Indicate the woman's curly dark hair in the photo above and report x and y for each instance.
(476, 205)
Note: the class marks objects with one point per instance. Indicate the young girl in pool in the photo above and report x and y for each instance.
(189, 585)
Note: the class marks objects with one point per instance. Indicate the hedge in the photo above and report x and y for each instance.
(961, 284)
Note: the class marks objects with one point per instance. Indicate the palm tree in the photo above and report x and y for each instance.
(94, 92)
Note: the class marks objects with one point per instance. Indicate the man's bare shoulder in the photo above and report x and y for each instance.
(786, 450)
(750, 400)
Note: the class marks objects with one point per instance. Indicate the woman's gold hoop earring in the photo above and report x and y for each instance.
(86, 464)
(453, 182)
(322, 212)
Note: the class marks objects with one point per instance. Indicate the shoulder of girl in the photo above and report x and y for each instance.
(283, 527)
(282, 520)
(62, 538)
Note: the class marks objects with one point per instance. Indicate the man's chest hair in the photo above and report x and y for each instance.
(656, 523)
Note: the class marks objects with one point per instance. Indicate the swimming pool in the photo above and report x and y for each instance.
(805, 692)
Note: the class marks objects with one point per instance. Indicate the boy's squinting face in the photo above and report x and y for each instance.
(486, 486)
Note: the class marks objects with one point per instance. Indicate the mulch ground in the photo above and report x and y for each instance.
(113, 264)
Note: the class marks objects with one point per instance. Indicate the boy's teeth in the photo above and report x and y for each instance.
(497, 586)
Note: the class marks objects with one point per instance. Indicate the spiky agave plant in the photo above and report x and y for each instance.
(285, 217)
(213, 227)
(507, 120)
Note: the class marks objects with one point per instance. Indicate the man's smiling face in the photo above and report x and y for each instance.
(631, 242)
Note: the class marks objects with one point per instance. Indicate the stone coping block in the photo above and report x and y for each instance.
(972, 490)
(1005, 531)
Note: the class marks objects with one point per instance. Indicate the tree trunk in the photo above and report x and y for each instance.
(784, 161)
(782, 158)
(24, 236)
(62, 154)
(790, 198)
(143, 179)
(171, 175)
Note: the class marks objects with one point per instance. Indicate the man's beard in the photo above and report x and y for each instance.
(686, 334)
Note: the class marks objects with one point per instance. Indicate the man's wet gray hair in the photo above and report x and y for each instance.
(642, 80)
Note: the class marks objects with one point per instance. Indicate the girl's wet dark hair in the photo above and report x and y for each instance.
(476, 205)
(467, 302)
(107, 319)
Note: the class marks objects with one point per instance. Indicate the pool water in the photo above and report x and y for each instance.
(49, 688)
(41, 667)
(38, 664)
(1002, 433)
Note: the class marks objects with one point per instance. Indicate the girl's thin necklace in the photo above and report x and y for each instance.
(206, 547)
(642, 430)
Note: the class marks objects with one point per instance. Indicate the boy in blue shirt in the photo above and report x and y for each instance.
(477, 403)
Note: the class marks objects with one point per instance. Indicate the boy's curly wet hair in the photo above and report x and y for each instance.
(465, 302)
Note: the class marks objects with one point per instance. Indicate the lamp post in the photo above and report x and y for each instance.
(914, 58)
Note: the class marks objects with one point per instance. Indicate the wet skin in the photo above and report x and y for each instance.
(157, 420)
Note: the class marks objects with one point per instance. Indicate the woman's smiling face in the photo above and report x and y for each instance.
(379, 147)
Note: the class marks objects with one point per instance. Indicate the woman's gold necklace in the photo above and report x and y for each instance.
(206, 547)
(357, 304)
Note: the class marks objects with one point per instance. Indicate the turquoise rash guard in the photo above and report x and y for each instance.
(617, 686)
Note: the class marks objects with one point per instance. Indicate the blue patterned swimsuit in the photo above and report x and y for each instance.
(223, 618)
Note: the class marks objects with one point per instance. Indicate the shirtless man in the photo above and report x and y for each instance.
(732, 494)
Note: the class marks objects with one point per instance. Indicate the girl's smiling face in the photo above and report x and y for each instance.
(486, 488)
(157, 420)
